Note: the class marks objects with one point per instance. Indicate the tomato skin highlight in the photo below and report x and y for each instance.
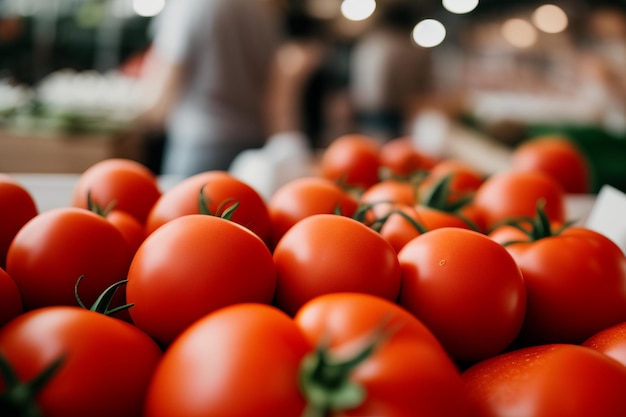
(238, 361)
(193, 265)
(548, 380)
(576, 283)
(611, 341)
(56, 247)
(327, 253)
(107, 363)
(466, 288)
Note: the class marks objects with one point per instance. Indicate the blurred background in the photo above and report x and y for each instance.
(505, 70)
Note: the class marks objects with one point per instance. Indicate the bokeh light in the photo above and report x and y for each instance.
(429, 33)
(357, 9)
(550, 18)
(519, 33)
(459, 6)
(148, 8)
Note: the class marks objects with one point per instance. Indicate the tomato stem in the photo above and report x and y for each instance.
(325, 380)
(103, 302)
(18, 398)
(225, 209)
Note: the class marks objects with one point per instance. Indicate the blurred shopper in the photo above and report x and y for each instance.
(207, 78)
(388, 71)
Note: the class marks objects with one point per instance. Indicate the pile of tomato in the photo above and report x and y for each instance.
(387, 284)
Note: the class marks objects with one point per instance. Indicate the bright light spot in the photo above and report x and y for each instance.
(459, 6)
(519, 33)
(148, 8)
(550, 18)
(357, 9)
(429, 33)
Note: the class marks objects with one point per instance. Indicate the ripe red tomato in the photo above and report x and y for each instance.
(510, 194)
(220, 190)
(576, 284)
(546, 381)
(191, 266)
(304, 197)
(352, 160)
(106, 364)
(401, 223)
(239, 361)
(409, 374)
(464, 178)
(402, 159)
(17, 206)
(129, 184)
(10, 298)
(391, 191)
(558, 157)
(133, 231)
(327, 253)
(56, 247)
(466, 288)
(611, 341)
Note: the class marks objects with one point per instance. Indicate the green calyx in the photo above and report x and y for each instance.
(225, 209)
(325, 380)
(103, 302)
(96, 208)
(19, 398)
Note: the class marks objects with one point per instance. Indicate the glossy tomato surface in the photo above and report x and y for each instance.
(55, 248)
(127, 184)
(327, 253)
(193, 265)
(17, 206)
(352, 160)
(548, 380)
(239, 361)
(106, 364)
(466, 288)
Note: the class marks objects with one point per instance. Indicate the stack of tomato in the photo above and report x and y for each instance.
(390, 284)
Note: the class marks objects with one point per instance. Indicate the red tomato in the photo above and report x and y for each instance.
(391, 191)
(56, 247)
(10, 298)
(133, 231)
(466, 288)
(402, 159)
(239, 361)
(17, 206)
(352, 160)
(557, 156)
(220, 190)
(464, 177)
(408, 375)
(576, 283)
(304, 197)
(106, 364)
(193, 265)
(512, 194)
(611, 341)
(129, 184)
(546, 381)
(327, 253)
(401, 224)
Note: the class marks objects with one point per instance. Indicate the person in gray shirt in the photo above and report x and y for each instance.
(206, 80)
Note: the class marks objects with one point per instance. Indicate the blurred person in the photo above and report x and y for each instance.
(388, 72)
(206, 80)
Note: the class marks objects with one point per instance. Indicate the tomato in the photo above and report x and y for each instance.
(220, 190)
(352, 160)
(511, 194)
(193, 265)
(10, 298)
(17, 206)
(402, 159)
(546, 381)
(56, 247)
(106, 364)
(401, 224)
(408, 375)
(576, 283)
(557, 156)
(239, 361)
(464, 177)
(611, 341)
(267, 364)
(126, 183)
(327, 253)
(133, 231)
(466, 288)
(391, 191)
(303, 197)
